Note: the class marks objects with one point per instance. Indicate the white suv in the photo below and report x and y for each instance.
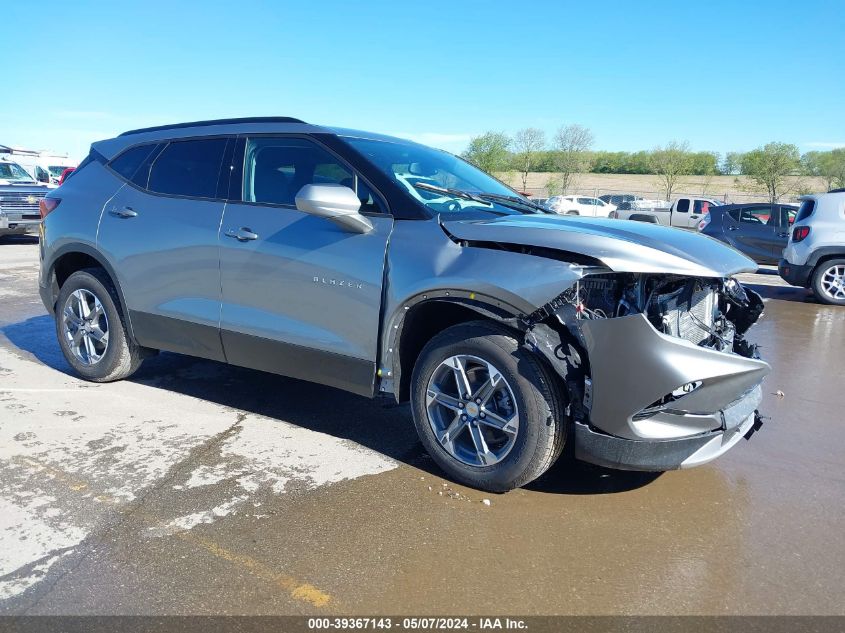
(815, 255)
(580, 205)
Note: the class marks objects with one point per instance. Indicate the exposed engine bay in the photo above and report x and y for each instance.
(713, 313)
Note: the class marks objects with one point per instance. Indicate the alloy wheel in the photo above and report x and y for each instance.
(472, 410)
(85, 326)
(833, 282)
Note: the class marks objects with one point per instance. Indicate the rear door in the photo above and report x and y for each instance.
(750, 230)
(680, 215)
(159, 232)
(301, 296)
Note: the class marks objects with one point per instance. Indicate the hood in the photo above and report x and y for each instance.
(22, 187)
(621, 245)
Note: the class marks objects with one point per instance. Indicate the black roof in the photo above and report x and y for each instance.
(254, 119)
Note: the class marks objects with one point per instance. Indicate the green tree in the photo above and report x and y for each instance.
(671, 162)
(572, 143)
(731, 163)
(829, 166)
(770, 166)
(527, 143)
(489, 151)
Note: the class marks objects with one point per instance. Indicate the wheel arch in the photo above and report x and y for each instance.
(71, 258)
(422, 319)
(826, 253)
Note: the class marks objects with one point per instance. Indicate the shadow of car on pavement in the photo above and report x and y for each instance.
(378, 424)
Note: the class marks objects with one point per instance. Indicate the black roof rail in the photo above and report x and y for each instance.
(253, 119)
(841, 190)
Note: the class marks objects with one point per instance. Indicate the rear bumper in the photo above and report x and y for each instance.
(794, 274)
(659, 455)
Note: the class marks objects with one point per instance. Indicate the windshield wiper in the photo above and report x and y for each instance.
(513, 202)
(458, 193)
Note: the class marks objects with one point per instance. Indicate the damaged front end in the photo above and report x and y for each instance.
(659, 372)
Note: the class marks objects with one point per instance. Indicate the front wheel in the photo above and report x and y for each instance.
(829, 282)
(486, 409)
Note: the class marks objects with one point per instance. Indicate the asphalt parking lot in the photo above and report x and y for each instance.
(200, 488)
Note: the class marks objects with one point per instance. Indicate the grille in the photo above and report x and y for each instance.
(690, 317)
(21, 202)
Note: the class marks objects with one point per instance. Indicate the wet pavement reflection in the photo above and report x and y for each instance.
(759, 531)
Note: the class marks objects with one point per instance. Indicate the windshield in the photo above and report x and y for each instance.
(442, 182)
(56, 170)
(13, 172)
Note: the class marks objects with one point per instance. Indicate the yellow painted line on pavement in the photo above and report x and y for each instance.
(297, 590)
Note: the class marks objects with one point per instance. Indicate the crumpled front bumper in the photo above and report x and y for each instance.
(632, 367)
(658, 455)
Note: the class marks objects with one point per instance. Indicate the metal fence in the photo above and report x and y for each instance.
(731, 197)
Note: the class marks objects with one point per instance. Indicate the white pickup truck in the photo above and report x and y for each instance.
(684, 213)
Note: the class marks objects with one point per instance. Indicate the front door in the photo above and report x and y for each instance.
(301, 296)
(160, 233)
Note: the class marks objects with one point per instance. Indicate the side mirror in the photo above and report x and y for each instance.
(336, 203)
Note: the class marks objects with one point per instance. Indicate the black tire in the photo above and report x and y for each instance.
(542, 424)
(818, 275)
(122, 356)
(572, 212)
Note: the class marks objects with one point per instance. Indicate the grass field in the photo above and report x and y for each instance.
(724, 188)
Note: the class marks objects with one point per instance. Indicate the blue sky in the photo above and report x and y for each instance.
(723, 75)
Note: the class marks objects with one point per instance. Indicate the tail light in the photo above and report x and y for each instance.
(800, 233)
(47, 205)
(613, 215)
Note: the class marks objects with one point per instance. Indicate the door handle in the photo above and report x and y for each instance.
(733, 228)
(243, 234)
(783, 234)
(125, 212)
(693, 217)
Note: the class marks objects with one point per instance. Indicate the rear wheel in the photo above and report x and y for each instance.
(91, 329)
(829, 282)
(572, 212)
(486, 410)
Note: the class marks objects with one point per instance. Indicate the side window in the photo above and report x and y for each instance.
(683, 205)
(755, 215)
(702, 206)
(128, 162)
(188, 168)
(787, 216)
(584, 201)
(806, 209)
(276, 168)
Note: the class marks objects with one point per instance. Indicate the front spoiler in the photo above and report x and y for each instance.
(659, 455)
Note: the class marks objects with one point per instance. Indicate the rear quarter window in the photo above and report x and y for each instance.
(128, 162)
(805, 210)
(188, 168)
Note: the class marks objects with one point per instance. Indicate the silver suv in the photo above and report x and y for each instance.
(815, 255)
(381, 266)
